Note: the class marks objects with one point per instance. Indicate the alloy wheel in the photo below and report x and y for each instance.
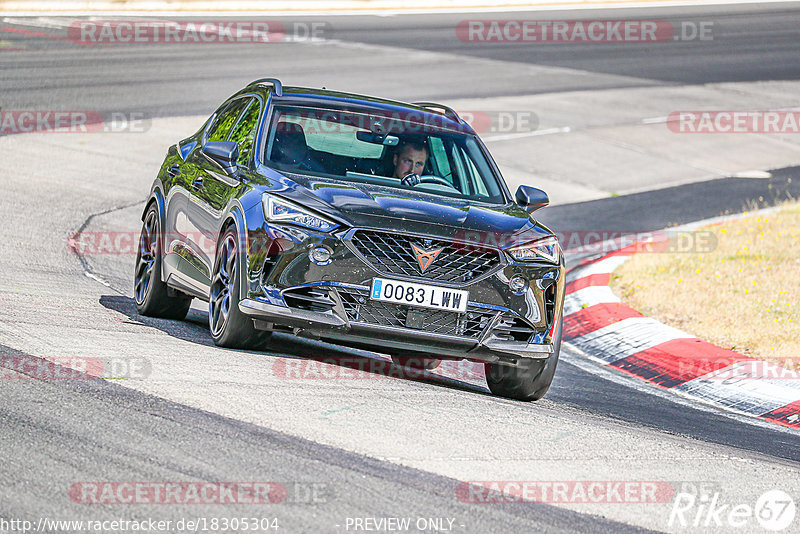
(222, 286)
(145, 258)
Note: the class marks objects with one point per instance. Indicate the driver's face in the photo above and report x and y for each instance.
(408, 161)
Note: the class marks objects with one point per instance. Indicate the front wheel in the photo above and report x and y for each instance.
(229, 326)
(149, 291)
(528, 381)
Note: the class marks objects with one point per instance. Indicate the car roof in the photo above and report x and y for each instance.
(428, 113)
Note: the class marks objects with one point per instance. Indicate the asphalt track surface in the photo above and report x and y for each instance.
(751, 43)
(54, 433)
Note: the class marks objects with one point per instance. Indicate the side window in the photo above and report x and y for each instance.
(479, 186)
(439, 158)
(245, 131)
(467, 172)
(474, 171)
(226, 119)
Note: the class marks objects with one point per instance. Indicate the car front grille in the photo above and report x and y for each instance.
(456, 263)
(360, 309)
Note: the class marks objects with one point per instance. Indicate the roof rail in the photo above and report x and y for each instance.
(448, 111)
(276, 83)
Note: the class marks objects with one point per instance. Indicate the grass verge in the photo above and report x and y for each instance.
(743, 295)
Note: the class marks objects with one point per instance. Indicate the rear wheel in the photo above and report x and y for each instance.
(528, 381)
(229, 326)
(151, 294)
(417, 362)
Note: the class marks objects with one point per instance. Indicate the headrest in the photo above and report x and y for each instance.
(289, 145)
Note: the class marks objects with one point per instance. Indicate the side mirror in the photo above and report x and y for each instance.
(531, 198)
(225, 153)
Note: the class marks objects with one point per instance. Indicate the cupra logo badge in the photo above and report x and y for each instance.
(425, 257)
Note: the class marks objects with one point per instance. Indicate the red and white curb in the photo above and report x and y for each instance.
(616, 335)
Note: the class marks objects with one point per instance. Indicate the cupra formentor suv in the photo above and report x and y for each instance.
(356, 220)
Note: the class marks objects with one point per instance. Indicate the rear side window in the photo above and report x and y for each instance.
(245, 131)
(225, 120)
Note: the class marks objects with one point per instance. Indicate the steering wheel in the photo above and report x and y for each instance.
(431, 179)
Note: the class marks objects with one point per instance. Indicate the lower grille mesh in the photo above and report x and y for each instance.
(360, 309)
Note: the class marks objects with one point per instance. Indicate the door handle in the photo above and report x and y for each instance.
(197, 185)
(173, 171)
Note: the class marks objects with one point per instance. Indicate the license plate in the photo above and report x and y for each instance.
(420, 295)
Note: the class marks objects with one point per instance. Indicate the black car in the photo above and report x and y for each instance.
(362, 221)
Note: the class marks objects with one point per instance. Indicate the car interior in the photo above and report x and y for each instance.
(290, 148)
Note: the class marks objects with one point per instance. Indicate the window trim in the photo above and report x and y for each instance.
(253, 97)
(224, 107)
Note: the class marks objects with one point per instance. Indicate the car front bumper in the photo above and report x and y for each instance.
(287, 292)
(336, 326)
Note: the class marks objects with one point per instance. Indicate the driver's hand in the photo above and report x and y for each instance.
(410, 179)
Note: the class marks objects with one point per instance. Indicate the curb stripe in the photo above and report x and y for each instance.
(606, 265)
(788, 415)
(753, 396)
(627, 337)
(598, 279)
(786, 385)
(588, 296)
(674, 362)
(594, 318)
(601, 326)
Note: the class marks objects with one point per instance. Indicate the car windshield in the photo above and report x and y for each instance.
(382, 150)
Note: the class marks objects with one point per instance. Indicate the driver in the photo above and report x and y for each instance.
(409, 162)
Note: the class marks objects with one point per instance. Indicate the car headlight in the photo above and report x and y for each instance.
(277, 209)
(544, 249)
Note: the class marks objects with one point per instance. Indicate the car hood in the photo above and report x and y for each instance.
(367, 205)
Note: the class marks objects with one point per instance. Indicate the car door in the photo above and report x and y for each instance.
(212, 187)
(179, 175)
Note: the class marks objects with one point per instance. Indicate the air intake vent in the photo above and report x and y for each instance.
(513, 329)
(271, 260)
(316, 299)
(550, 303)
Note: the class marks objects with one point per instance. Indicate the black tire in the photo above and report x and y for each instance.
(527, 382)
(417, 362)
(150, 293)
(229, 326)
